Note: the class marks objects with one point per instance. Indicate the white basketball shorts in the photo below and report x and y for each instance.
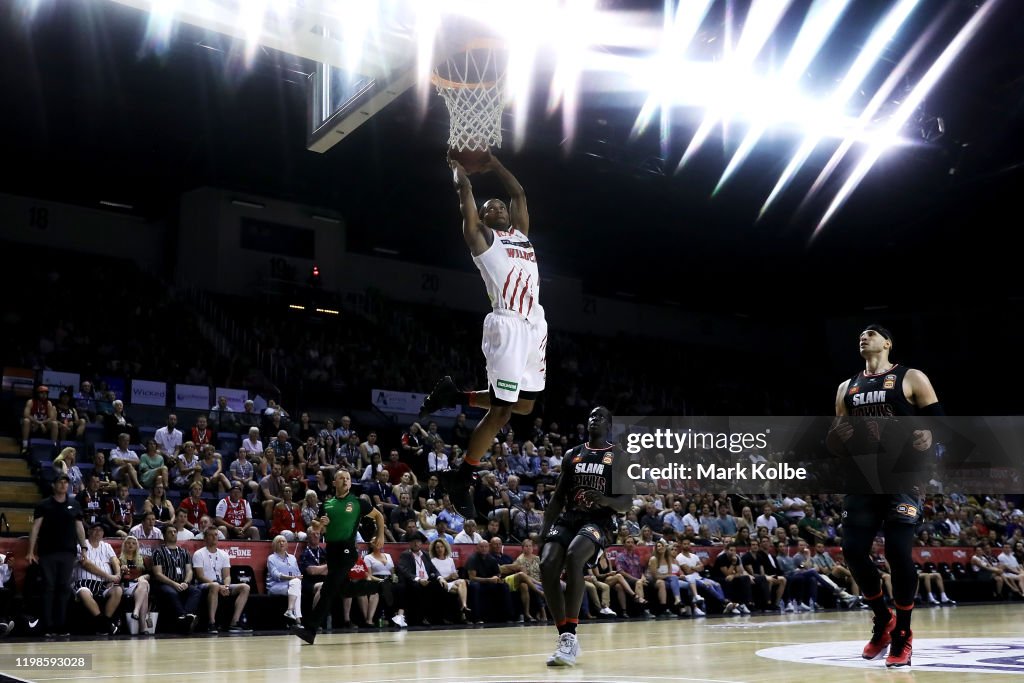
(515, 349)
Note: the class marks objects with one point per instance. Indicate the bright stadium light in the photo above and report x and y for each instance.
(862, 65)
(818, 25)
(760, 23)
(908, 107)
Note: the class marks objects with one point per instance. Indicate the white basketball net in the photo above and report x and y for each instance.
(472, 84)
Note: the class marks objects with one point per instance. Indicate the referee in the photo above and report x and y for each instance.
(340, 521)
(54, 542)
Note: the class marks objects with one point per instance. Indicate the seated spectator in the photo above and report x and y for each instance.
(168, 440)
(117, 423)
(926, 579)
(135, 584)
(188, 467)
(528, 583)
(663, 572)
(205, 522)
(152, 469)
(211, 469)
(440, 556)
(172, 571)
(242, 471)
(487, 585)
(288, 520)
(213, 576)
(201, 434)
(1013, 573)
(285, 578)
(234, 517)
(382, 570)
(97, 575)
(39, 418)
(119, 513)
(252, 445)
(222, 415)
(70, 426)
(159, 505)
(186, 532)
(272, 487)
(248, 418)
(424, 588)
(124, 462)
(194, 506)
(469, 535)
(627, 563)
(65, 463)
(85, 400)
(147, 530)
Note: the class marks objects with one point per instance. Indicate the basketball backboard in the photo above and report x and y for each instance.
(364, 52)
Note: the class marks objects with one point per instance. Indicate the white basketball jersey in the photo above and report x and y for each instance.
(509, 269)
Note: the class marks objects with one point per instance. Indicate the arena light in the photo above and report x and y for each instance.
(851, 82)
(909, 106)
(160, 26)
(297, 307)
(761, 21)
(677, 35)
(821, 19)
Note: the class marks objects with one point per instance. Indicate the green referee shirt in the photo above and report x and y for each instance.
(344, 514)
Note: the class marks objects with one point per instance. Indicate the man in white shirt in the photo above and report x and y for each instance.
(98, 574)
(168, 440)
(1013, 574)
(147, 529)
(691, 566)
(468, 533)
(767, 519)
(212, 567)
(125, 463)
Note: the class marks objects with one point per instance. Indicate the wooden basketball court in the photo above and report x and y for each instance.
(984, 643)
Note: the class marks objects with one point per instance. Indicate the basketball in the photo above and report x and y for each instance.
(472, 160)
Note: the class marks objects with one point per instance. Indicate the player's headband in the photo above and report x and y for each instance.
(880, 330)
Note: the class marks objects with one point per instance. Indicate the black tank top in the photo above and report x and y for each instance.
(590, 469)
(878, 395)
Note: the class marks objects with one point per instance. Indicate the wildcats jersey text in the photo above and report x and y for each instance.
(509, 270)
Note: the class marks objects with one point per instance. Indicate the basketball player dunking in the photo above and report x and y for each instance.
(884, 389)
(515, 333)
(578, 522)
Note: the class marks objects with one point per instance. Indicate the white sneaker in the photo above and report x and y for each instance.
(697, 611)
(399, 620)
(567, 652)
(801, 607)
(608, 612)
(289, 615)
(790, 607)
(932, 600)
(744, 609)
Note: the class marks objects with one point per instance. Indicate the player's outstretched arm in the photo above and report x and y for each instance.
(517, 196)
(477, 235)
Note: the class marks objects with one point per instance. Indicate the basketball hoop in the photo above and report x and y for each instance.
(472, 83)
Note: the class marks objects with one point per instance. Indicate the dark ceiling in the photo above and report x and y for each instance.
(92, 116)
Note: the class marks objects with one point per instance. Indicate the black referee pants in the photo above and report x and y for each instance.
(56, 570)
(340, 559)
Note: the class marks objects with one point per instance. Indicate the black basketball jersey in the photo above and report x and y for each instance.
(590, 469)
(879, 395)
